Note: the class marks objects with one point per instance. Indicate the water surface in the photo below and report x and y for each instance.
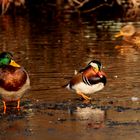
(50, 51)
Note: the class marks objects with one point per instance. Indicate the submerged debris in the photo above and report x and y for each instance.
(116, 123)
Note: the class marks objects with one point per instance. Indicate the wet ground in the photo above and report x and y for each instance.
(50, 51)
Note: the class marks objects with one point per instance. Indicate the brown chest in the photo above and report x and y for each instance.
(12, 80)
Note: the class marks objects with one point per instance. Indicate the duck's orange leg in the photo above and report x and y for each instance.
(83, 96)
(18, 104)
(4, 107)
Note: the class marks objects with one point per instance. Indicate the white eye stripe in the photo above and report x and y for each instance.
(94, 65)
(85, 80)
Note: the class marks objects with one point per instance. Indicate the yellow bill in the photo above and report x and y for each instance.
(14, 64)
(118, 34)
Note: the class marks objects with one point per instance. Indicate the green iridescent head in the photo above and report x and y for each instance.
(6, 58)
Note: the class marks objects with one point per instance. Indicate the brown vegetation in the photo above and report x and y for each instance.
(6, 3)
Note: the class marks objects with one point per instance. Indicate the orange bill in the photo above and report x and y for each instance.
(101, 74)
(118, 34)
(14, 64)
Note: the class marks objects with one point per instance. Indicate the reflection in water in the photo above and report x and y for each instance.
(128, 51)
(91, 117)
(50, 52)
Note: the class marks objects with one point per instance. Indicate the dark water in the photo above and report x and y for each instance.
(50, 51)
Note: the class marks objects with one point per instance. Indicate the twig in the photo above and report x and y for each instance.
(80, 4)
(5, 6)
(94, 8)
(71, 2)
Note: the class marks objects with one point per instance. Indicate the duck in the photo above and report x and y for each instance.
(88, 80)
(130, 34)
(14, 80)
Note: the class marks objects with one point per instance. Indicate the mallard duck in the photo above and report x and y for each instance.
(14, 80)
(88, 80)
(130, 34)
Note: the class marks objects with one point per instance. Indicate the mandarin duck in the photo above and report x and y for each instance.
(88, 80)
(130, 34)
(14, 80)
